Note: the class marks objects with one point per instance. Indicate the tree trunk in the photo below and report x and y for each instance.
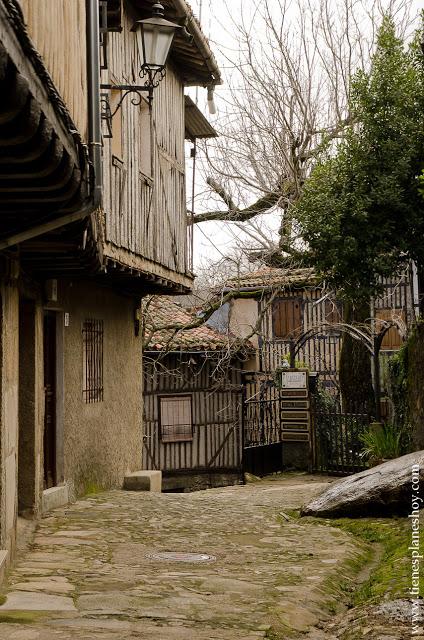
(355, 368)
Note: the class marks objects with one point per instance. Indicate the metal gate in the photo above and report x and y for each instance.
(276, 421)
(337, 448)
(262, 442)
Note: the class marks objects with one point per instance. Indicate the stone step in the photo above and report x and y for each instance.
(54, 498)
(143, 481)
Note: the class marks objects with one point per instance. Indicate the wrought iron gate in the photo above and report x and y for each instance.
(334, 446)
(262, 443)
(337, 448)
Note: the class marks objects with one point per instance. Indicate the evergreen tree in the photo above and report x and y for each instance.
(361, 212)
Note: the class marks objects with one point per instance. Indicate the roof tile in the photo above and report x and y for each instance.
(161, 311)
(271, 277)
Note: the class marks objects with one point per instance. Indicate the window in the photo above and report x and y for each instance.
(287, 318)
(176, 419)
(392, 339)
(92, 338)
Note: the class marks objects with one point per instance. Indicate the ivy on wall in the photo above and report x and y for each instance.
(406, 386)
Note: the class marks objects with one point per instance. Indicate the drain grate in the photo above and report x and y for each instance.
(175, 556)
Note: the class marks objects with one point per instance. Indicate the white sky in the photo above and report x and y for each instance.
(212, 240)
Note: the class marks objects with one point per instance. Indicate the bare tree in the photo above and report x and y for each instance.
(285, 104)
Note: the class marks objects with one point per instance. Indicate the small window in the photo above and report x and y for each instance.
(92, 338)
(287, 318)
(176, 419)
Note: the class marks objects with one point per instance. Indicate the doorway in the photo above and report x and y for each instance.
(50, 399)
(27, 409)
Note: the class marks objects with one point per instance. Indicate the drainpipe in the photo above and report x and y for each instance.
(93, 85)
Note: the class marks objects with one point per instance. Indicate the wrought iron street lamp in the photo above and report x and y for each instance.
(154, 38)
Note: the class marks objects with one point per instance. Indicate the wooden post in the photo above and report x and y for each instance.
(243, 408)
(292, 354)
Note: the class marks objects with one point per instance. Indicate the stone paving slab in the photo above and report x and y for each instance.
(91, 574)
(36, 601)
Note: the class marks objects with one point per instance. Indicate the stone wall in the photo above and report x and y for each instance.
(9, 359)
(243, 317)
(101, 440)
(97, 443)
(31, 407)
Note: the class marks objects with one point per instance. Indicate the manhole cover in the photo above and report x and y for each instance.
(174, 556)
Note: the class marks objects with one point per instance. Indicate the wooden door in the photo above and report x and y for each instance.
(50, 479)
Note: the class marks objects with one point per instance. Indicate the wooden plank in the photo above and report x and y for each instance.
(58, 28)
(154, 223)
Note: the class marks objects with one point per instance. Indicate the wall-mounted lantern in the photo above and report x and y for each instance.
(154, 40)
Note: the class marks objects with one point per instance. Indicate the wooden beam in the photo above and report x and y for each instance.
(17, 238)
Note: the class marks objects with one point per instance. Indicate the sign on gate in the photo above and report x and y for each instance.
(294, 379)
(294, 406)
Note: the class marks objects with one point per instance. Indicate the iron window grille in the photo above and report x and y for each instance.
(176, 420)
(92, 335)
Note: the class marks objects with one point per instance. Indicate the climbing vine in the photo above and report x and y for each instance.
(406, 387)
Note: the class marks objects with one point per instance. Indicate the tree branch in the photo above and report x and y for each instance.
(234, 214)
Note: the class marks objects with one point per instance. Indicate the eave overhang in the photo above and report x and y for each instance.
(72, 253)
(43, 164)
(191, 52)
(196, 125)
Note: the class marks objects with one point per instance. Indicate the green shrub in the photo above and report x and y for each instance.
(324, 401)
(398, 384)
(382, 444)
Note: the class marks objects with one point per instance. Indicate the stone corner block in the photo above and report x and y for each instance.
(55, 497)
(143, 481)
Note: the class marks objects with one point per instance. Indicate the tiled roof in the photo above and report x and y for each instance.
(162, 311)
(271, 277)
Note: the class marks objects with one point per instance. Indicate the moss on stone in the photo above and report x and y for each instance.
(21, 617)
(271, 634)
(391, 576)
(92, 488)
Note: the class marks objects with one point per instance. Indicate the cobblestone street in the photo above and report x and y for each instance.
(90, 572)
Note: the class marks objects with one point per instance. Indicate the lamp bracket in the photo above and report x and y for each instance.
(153, 77)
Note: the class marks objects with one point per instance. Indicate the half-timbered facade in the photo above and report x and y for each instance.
(192, 399)
(281, 305)
(92, 217)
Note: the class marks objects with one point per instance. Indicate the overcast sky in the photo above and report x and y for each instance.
(213, 240)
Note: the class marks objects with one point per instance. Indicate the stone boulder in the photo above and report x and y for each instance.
(383, 490)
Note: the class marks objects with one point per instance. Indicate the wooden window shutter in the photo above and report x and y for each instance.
(287, 318)
(332, 311)
(392, 339)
